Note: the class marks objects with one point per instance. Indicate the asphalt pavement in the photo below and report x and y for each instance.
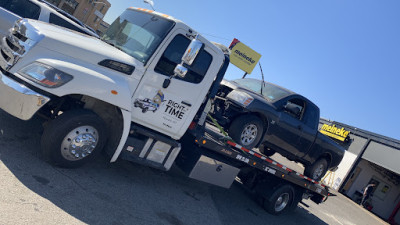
(34, 192)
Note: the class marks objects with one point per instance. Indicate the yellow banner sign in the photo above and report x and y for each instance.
(334, 132)
(243, 57)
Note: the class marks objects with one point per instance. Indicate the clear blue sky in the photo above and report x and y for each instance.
(343, 55)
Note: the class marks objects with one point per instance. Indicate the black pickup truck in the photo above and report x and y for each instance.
(274, 119)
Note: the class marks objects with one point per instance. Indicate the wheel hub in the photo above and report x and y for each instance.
(318, 172)
(281, 202)
(79, 143)
(249, 134)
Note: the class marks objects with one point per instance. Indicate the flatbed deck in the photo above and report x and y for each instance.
(216, 142)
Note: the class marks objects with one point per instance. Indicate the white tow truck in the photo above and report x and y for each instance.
(142, 93)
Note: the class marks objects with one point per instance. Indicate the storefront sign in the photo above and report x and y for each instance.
(334, 132)
(243, 57)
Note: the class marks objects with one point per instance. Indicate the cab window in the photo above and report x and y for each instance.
(23, 8)
(172, 56)
(295, 107)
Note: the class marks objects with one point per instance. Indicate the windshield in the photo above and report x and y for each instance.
(138, 33)
(270, 91)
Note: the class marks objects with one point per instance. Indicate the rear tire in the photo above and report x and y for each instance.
(317, 170)
(73, 138)
(280, 201)
(246, 130)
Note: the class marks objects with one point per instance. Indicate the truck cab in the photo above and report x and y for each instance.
(157, 44)
(138, 89)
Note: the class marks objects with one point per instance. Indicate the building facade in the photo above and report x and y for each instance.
(102, 28)
(90, 12)
(369, 158)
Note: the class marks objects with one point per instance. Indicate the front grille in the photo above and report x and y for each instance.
(20, 36)
(16, 44)
(5, 56)
(11, 45)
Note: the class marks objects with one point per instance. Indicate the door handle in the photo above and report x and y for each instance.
(186, 103)
(166, 82)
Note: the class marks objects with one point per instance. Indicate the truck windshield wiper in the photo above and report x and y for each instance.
(112, 44)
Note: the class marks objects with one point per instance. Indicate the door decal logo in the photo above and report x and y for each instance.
(170, 111)
(147, 104)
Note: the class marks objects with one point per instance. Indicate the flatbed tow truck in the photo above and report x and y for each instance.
(212, 157)
(142, 97)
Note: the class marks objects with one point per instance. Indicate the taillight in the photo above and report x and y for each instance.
(192, 125)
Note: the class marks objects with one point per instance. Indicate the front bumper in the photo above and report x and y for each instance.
(18, 100)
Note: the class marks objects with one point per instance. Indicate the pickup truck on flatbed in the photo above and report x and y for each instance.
(274, 119)
(142, 94)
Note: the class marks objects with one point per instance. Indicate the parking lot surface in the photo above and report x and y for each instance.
(34, 192)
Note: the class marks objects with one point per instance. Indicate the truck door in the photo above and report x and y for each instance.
(170, 110)
(309, 129)
(289, 128)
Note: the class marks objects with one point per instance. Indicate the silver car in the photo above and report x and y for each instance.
(12, 10)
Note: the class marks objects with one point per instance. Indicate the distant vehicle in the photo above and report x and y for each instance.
(12, 10)
(264, 115)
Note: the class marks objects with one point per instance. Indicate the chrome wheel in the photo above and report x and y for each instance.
(79, 143)
(318, 172)
(282, 202)
(249, 134)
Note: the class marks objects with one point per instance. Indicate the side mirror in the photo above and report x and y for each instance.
(180, 71)
(192, 51)
(292, 109)
(188, 58)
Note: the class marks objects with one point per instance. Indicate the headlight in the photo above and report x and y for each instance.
(45, 75)
(240, 97)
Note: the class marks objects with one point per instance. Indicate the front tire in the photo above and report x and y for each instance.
(246, 130)
(73, 138)
(317, 170)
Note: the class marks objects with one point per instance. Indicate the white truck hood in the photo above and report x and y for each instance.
(78, 45)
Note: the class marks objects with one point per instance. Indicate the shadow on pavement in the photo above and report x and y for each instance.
(118, 193)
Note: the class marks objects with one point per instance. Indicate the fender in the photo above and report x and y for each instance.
(126, 116)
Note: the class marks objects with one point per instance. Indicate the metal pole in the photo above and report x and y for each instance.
(262, 73)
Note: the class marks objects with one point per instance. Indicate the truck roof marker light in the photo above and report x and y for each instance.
(144, 10)
(114, 92)
(204, 142)
(151, 11)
